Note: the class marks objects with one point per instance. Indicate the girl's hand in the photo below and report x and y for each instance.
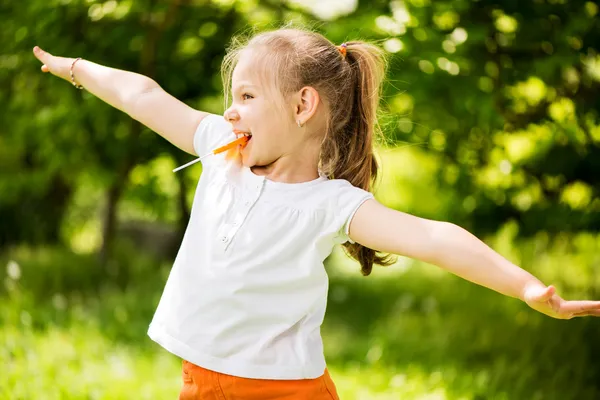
(59, 66)
(545, 300)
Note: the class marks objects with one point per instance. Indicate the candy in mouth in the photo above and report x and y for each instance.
(246, 134)
(234, 147)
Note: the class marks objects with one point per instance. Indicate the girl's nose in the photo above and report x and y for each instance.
(231, 115)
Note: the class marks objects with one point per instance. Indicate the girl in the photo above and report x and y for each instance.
(246, 296)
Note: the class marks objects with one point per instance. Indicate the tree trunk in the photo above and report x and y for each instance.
(147, 67)
(110, 218)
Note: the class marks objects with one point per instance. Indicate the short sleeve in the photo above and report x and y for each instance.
(212, 132)
(349, 200)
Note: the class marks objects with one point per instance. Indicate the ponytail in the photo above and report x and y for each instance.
(347, 151)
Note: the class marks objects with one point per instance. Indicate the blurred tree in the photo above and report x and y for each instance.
(502, 95)
(507, 93)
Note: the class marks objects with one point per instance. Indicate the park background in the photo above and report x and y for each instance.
(491, 121)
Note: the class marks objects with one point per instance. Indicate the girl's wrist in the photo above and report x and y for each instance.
(74, 81)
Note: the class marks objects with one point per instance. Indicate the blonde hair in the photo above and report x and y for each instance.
(349, 83)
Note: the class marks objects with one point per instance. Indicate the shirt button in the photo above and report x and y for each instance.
(224, 239)
(234, 223)
(247, 203)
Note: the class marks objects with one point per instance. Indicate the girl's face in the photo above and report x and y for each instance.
(259, 109)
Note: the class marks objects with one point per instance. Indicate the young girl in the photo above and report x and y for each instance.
(246, 296)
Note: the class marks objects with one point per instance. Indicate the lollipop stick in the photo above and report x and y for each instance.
(192, 162)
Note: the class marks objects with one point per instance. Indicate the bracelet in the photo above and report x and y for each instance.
(73, 76)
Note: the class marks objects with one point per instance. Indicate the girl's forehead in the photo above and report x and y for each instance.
(251, 69)
(244, 76)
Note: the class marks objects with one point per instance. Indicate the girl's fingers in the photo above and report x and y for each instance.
(45, 68)
(39, 53)
(592, 313)
(541, 294)
(38, 50)
(547, 294)
(576, 307)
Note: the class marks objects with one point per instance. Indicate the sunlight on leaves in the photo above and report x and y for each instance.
(528, 93)
(438, 140)
(327, 10)
(526, 197)
(524, 145)
(576, 195)
(87, 237)
(426, 66)
(592, 67)
(446, 20)
(190, 46)
(420, 3)
(208, 29)
(393, 45)
(449, 66)
(459, 36)
(402, 15)
(406, 174)
(224, 3)
(562, 109)
(390, 25)
(591, 9)
(506, 24)
(595, 132)
(449, 46)
(402, 104)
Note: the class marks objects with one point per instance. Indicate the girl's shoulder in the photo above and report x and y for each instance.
(335, 194)
(344, 187)
(317, 196)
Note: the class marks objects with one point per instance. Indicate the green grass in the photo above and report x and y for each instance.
(70, 330)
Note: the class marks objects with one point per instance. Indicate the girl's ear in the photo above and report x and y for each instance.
(307, 102)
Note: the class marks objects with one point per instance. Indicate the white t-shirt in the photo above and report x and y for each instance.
(247, 292)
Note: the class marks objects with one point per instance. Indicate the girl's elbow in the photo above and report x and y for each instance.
(440, 240)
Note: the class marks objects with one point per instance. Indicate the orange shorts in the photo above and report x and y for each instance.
(202, 384)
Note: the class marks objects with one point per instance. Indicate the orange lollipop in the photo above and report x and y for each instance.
(229, 146)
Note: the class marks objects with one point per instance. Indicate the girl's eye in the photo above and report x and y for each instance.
(246, 96)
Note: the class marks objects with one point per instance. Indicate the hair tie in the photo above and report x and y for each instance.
(342, 49)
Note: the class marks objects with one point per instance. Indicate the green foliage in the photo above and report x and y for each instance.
(500, 93)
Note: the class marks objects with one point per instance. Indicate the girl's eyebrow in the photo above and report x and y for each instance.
(244, 86)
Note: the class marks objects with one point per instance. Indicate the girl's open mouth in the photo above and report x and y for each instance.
(239, 134)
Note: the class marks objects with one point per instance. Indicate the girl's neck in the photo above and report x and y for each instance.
(278, 173)
(291, 169)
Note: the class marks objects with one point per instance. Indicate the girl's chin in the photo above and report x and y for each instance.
(245, 153)
(245, 159)
(246, 162)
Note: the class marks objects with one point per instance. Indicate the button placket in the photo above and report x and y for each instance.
(240, 216)
(235, 225)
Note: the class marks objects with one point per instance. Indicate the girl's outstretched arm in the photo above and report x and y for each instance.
(456, 250)
(137, 95)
